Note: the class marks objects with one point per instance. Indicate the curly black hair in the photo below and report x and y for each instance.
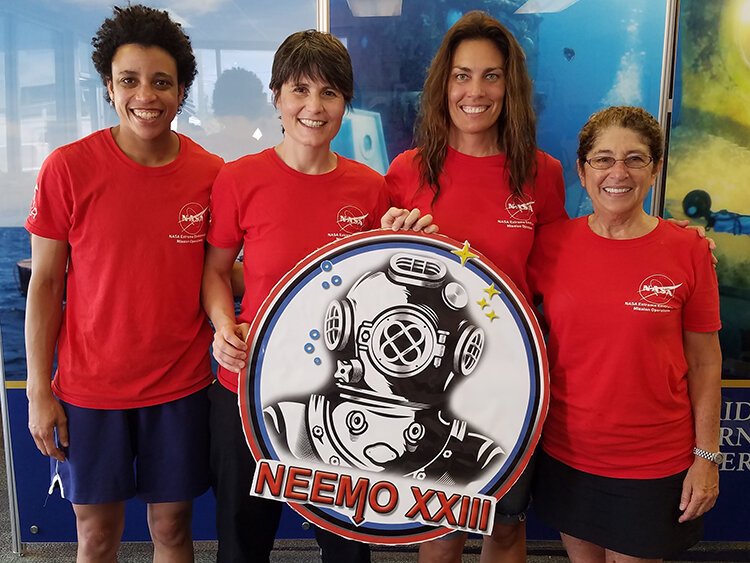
(148, 27)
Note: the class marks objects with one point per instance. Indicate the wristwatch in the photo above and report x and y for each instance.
(717, 458)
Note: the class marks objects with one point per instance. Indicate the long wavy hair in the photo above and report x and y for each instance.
(516, 124)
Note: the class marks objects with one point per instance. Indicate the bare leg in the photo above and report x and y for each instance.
(581, 551)
(615, 557)
(506, 544)
(170, 526)
(444, 550)
(99, 528)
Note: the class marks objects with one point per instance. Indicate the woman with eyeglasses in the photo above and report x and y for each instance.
(631, 443)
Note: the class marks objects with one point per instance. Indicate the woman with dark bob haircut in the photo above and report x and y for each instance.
(279, 205)
(477, 170)
(120, 217)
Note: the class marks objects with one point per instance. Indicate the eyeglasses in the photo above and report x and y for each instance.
(606, 162)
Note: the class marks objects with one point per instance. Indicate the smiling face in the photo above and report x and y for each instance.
(145, 93)
(311, 113)
(476, 92)
(619, 190)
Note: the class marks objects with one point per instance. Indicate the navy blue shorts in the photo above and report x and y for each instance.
(512, 508)
(158, 453)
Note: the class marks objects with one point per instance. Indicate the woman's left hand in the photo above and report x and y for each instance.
(699, 489)
(403, 219)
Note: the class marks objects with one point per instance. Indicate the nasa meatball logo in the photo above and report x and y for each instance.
(372, 401)
(192, 218)
(520, 208)
(33, 209)
(658, 289)
(351, 219)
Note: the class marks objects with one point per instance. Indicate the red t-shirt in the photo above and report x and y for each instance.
(133, 332)
(616, 310)
(476, 204)
(282, 215)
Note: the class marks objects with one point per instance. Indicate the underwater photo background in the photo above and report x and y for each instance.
(709, 155)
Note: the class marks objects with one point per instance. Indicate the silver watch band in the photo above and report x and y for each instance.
(717, 457)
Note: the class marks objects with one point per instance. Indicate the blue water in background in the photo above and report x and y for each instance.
(591, 55)
(618, 61)
(15, 245)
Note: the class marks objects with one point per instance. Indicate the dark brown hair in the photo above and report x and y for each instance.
(628, 117)
(315, 55)
(516, 124)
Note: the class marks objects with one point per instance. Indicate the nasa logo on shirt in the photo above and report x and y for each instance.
(658, 289)
(192, 220)
(656, 292)
(33, 210)
(351, 219)
(520, 210)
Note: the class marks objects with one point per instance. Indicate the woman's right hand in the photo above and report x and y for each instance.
(403, 219)
(229, 347)
(46, 416)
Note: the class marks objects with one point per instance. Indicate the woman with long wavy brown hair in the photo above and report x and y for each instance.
(477, 169)
(516, 124)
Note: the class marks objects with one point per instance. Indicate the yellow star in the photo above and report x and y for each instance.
(483, 303)
(464, 254)
(491, 291)
(491, 315)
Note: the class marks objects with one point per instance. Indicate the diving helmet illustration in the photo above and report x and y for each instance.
(401, 340)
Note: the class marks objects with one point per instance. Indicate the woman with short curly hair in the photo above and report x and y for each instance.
(117, 225)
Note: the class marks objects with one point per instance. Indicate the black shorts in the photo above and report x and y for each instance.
(636, 517)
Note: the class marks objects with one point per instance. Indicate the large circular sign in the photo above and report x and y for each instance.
(396, 388)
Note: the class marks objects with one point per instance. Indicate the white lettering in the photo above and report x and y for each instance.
(197, 218)
(660, 289)
(742, 464)
(742, 438)
(739, 411)
(529, 206)
(353, 220)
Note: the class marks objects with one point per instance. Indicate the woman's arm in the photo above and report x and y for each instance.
(49, 259)
(216, 294)
(701, 485)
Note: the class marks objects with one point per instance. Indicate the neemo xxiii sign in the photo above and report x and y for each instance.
(396, 388)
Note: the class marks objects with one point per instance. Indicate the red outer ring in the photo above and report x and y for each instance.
(257, 324)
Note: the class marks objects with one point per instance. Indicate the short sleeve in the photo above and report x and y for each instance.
(224, 230)
(52, 205)
(397, 178)
(701, 311)
(552, 185)
(539, 259)
(382, 204)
